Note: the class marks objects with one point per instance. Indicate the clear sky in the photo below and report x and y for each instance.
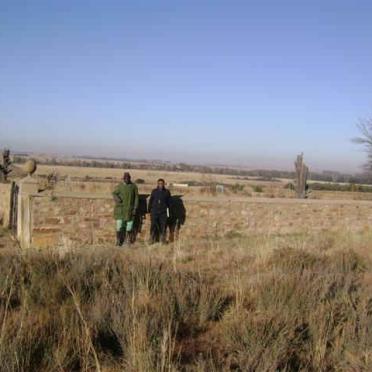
(236, 82)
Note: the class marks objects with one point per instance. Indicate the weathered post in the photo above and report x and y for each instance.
(302, 173)
(28, 186)
(5, 166)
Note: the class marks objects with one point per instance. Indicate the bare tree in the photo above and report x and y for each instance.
(365, 139)
(5, 166)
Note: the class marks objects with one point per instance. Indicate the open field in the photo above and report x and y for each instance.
(243, 186)
(149, 175)
(258, 303)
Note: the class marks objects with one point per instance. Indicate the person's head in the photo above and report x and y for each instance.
(126, 177)
(161, 183)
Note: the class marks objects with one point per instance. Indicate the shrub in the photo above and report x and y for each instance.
(351, 187)
(237, 188)
(258, 188)
(289, 186)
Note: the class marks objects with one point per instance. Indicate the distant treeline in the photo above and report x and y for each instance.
(351, 187)
(333, 177)
(268, 175)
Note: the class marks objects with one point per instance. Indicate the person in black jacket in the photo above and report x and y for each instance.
(159, 209)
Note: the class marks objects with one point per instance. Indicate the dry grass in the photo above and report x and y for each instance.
(259, 303)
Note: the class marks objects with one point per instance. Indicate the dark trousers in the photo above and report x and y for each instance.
(174, 229)
(158, 227)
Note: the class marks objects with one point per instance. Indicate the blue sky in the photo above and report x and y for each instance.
(237, 82)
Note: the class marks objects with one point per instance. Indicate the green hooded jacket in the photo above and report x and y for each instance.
(128, 196)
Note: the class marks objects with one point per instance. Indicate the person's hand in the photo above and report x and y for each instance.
(117, 199)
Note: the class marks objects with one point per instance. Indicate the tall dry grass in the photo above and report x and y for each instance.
(285, 303)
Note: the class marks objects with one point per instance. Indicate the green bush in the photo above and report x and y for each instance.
(351, 187)
(237, 188)
(258, 188)
(289, 186)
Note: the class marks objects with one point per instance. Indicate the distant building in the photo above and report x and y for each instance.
(180, 185)
(220, 189)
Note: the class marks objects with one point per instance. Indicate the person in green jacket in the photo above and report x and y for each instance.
(126, 204)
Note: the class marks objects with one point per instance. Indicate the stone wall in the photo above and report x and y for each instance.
(5, 190)
(273, 190)
(71, 221)
(78, 220)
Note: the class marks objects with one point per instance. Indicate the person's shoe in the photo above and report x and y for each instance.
(120, 238)
(123, 238)
(119, 243)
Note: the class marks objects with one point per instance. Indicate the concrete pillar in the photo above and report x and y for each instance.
(27, 187)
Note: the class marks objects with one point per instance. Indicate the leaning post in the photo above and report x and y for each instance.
(302, 174)
(5, 166)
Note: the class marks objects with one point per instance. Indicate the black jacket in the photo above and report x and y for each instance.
(159, 201)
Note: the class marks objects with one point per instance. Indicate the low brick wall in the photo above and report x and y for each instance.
(76, 220)
(5, 190)
(70, 220)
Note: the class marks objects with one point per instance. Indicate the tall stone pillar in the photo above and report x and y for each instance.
(28, 186)
(302, 173)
